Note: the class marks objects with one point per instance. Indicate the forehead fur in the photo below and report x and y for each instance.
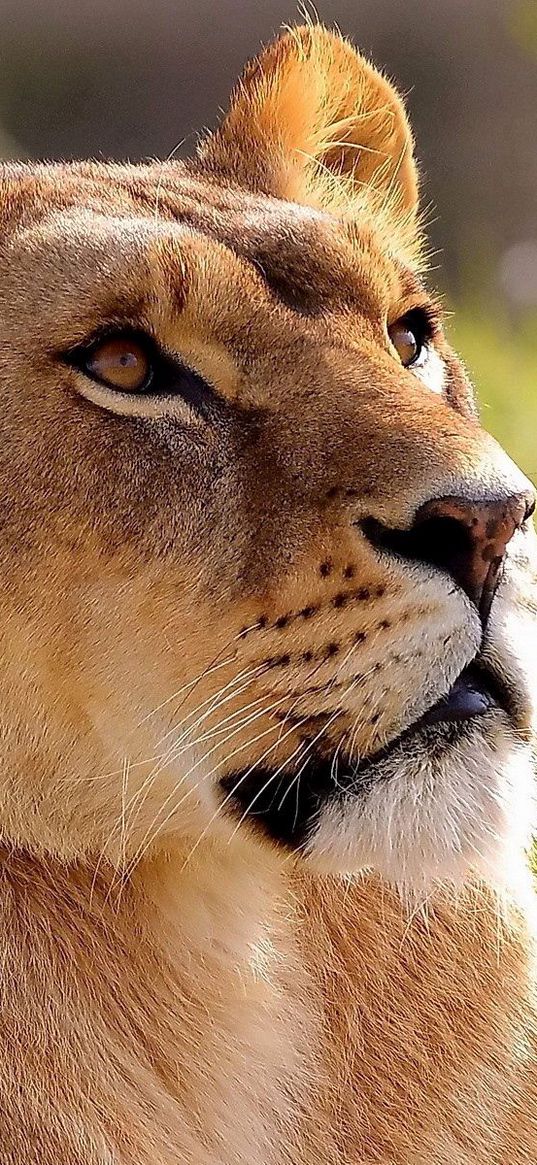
(139, 223)
(310, 122)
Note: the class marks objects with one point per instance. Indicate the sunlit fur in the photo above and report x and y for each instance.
(190, 612)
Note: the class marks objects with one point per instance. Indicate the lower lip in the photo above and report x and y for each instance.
(470, 696)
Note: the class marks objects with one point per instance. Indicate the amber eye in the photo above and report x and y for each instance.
(408, 336)
(121, 362)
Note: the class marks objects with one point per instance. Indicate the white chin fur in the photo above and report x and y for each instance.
(465, 812)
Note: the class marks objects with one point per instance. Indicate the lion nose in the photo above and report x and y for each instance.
(466, 539)
(469, 540)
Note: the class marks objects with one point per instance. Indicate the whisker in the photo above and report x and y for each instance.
(260, 712)
(211, 699)
(306, 748)
(174, 751)
(186, 687)
(147, 841)
(243, 777)
(136, 802)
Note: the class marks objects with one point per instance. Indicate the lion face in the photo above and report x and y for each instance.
(264, 576)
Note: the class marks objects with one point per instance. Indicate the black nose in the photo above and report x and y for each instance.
(466, 539)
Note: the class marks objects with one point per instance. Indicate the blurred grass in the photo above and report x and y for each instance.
(500, 353)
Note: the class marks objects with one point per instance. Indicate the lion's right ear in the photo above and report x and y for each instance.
(313, 122)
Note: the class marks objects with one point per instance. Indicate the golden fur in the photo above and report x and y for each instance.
(191, 610)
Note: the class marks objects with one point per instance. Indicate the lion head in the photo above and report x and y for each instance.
(265, 579)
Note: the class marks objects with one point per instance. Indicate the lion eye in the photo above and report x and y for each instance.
(121, 362)
(406, 341)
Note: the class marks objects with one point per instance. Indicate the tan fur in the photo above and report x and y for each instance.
(187, 601)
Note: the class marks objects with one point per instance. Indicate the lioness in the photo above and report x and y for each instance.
(267, 623)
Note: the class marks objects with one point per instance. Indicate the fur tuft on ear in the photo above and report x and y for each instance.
(313, 122)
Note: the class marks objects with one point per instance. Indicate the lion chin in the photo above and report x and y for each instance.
(450, 805)
(438, 804)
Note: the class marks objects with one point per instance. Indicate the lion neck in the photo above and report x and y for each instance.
(210, 1008)
(178, 998)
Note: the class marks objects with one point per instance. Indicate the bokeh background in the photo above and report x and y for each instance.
(134, 78)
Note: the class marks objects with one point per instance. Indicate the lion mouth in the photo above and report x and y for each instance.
(475, 691)
(286, 802)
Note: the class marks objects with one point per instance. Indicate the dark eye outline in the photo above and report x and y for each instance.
(419, 322)
(167, 377)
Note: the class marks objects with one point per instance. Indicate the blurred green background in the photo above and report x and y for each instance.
(501, 355)
(118, 78)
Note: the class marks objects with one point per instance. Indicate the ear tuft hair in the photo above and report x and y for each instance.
(313, 122)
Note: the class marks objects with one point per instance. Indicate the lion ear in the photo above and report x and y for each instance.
(313, 122)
